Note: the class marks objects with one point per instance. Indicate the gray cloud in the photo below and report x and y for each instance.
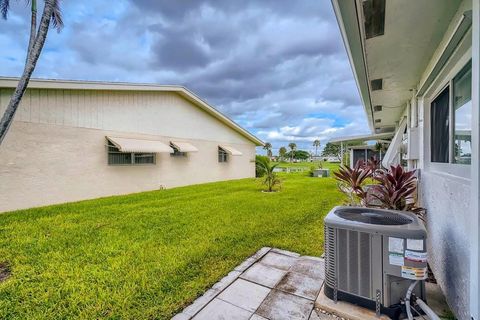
(276, 67)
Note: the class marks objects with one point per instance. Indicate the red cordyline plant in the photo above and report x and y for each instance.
(396, 190)
(372, 165)
(351, 182)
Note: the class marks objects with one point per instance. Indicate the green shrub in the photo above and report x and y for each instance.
(270, 177)
(312, 169)
(259, 169)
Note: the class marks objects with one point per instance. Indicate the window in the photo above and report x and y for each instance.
(451, 120)
(176, 152)
(440, 127)
(116, 157)
(358, 154)
(222, 155)
(462, 115)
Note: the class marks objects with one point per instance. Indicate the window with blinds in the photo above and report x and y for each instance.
(116, 157)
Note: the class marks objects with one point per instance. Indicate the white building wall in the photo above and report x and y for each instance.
(446, 199)
(55, 150)
(445, 192)
(148, 112)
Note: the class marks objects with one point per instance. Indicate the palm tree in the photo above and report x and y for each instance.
(293, 147)
(51, 16)
(268, 147)
(316, 144)
(270, 177)
(281, 152)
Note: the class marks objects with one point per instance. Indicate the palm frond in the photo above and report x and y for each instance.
(4, 7)
(57, 20)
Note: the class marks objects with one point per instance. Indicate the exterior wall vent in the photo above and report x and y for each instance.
(374, 15)
(377, 108)
(378, 120)
(376, 84)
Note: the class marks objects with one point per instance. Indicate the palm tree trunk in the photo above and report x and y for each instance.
(33, 29)
(32, 58)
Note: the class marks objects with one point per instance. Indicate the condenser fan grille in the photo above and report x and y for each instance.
(373, 217)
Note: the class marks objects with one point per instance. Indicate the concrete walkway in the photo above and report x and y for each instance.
(272, 284)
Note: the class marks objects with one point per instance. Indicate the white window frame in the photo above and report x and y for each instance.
(461, 171)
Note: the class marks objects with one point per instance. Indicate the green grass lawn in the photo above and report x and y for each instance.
(148, 255)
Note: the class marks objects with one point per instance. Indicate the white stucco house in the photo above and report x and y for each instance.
(417, 68)
(75, 140)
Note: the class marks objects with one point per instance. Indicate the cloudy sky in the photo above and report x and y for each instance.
(276, 67)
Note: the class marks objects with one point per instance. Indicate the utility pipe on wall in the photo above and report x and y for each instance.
(474, 217)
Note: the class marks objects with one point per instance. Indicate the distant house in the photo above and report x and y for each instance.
(363, 153)
(417, 67)
(74, 140)
(359, 150)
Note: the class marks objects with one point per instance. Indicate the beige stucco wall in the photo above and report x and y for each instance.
(55, 151)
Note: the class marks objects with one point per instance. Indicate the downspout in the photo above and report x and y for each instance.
(475, 168)
(410, 164)
(414, 109)
(341, 153)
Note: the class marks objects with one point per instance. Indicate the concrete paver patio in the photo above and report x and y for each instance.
(273, 284)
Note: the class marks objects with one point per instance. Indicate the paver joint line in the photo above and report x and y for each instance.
(201, 302)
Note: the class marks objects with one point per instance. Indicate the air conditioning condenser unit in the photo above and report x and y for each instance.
(372, 256)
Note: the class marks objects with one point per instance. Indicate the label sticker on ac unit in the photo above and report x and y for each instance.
(415, 256)
(415, 244)
(414, 273)
(395, 245)
(395, 259)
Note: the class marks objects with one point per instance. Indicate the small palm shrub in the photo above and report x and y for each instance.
(270, 178)
(260, 170)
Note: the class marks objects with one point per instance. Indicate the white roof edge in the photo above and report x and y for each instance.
(367, 137)
(36, 83)
(354, 46)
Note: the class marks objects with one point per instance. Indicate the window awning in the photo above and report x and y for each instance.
(184, 146)
(230, 150)
(138, 145)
